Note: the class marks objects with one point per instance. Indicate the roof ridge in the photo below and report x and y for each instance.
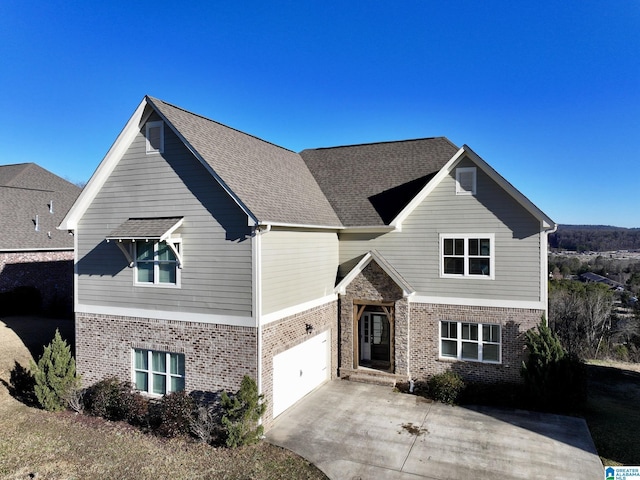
(386, 142)
(219, 123)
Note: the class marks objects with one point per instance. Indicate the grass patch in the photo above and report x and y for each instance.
(612, 412)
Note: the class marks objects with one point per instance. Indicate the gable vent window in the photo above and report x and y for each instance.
(155, 137)
(466, 181)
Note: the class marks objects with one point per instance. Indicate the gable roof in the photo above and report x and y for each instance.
(272, 183)
(363, 186)
(370, 184)
(28, 195)
(375, 256)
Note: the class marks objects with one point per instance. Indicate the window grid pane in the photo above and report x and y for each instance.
(476, 342)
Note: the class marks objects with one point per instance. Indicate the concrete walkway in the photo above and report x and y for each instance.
(356, 431)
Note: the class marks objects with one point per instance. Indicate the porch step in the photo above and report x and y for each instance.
(375, 377)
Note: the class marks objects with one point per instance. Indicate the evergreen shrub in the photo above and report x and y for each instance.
(55, 375)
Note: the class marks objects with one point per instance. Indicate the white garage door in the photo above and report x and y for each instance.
(299, 370)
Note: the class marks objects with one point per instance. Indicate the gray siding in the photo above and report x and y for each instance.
(217, 274)
(297, 267)
(414, 251)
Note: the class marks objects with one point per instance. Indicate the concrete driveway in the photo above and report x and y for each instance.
(357, 431)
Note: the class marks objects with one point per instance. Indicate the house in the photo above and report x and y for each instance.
(33, 253)
(204, 254)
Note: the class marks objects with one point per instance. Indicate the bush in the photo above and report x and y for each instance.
(553, 379)
(175, 410)
(242, 412)
(205, 424)
(446, 387)
(55, 375)
(115, 400)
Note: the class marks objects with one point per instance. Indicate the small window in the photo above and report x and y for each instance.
(467, 255)
(155, 137)
(156, 264)
(158, 373)
(474, 342)
(466, 181)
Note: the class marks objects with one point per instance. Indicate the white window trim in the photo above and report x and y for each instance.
(150, 371)
(459, 342)
(466, 237)
(460, 190)
(149, 148)
(177, 243)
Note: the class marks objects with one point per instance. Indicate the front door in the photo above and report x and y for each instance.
(374, 340)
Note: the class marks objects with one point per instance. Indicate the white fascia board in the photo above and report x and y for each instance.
(253, 220)
(527, 204)
(428, 188)
(104, 170)
(479, 302)
(231, 320)
(370, 229)
(299, 225)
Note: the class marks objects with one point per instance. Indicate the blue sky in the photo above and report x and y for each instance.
(547, 92)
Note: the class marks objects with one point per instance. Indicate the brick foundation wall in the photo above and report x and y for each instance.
(425, 337)
(288, 332)
(50, 272)
(216, 356)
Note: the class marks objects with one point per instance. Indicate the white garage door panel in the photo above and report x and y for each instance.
(299, 370)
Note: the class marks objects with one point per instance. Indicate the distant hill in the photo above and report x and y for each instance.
(596, 238)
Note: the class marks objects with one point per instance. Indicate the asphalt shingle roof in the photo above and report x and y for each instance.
(368, 185)
(26, 191)
(272, 182)
(144, 228)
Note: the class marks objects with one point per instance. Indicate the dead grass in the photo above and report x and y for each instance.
(41, 445)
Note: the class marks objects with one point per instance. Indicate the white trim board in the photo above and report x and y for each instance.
(479, 302)
(231, 320)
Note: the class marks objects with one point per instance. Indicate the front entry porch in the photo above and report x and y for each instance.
(373, 323)
(374, 344)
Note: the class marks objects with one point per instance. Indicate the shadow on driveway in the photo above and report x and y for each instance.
(358, 431)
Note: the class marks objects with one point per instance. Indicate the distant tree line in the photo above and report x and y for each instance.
(594, 238)
(624, 271)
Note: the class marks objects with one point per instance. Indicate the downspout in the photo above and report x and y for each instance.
(545, 269)
(257, 282)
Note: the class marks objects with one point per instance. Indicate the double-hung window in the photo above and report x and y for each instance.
(157, 372)
(479, 342)
(467, 255)
(156, 263)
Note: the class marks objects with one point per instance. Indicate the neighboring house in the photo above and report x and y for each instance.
(33, 253)
(204, 254)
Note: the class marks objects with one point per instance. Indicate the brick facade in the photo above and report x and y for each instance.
(415, 331)
(288, 332)
(425, 321)
(216, 356)
(51, 272)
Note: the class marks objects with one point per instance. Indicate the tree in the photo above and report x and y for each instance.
(242, 412)
(553, 378)
(55, 375)
(581, 315)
